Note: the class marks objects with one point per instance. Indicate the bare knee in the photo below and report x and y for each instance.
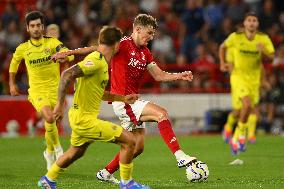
(162, 115)
(49, 118)
(129, 142)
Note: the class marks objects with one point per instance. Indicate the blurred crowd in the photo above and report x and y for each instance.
(188, 37)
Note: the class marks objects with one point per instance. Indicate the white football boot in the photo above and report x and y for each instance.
(104, 175)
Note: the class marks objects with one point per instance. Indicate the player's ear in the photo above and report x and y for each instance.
(28, 28)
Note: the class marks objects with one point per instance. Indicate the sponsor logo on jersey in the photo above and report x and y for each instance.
(39, 60)
(132, 53)
(136, 64)
(89, 63)
(143, 56)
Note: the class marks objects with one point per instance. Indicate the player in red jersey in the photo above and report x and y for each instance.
(127, 69)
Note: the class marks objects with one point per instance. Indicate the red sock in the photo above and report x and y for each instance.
(113, 165)
(168, 135)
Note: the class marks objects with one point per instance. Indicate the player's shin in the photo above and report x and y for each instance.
(54, 171)
(126, 172)
(168, 135)
(252, 122)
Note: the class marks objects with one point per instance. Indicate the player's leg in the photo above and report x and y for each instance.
(64, 161)
(153, 112)
(253, 117)
(54, 149)
(232, 119)
(240, 132)
(113, 166)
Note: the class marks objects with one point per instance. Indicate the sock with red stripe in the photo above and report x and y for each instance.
(168, 135)
(113, 165)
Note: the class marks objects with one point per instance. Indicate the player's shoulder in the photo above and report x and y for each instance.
(96, 56)
(50, 39)
(22, 46)
(262, 35)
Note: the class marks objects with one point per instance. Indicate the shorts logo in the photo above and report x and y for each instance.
(114, 127)
(89, 63)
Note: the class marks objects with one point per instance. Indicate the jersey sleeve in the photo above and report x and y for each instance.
(16, 59)
(268, 45)
(59, 47)
(90, 64)
(229, 42)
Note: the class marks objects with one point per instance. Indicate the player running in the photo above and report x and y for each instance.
(248, 49)
(127, 68)
(92, 77)
(44, 77)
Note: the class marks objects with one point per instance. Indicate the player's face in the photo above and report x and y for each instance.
(145, 35)
(35, 29)
(251, 23)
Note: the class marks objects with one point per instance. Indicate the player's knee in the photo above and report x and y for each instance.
(162, 115)
(49, 118)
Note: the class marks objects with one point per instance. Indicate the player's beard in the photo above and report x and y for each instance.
(36, 35)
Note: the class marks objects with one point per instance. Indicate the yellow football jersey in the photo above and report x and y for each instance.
(246, 57)
(43, 73)
(89, 89)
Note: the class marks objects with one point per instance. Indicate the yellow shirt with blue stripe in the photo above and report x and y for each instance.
(246, 57)
(43, 73)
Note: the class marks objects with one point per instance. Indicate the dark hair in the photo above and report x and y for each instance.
(34, 15)
(109, 35)
(251, 14)
(145, 20)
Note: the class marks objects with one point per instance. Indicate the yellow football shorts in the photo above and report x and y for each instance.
(241, 89)
(39, 100)
(87, 128)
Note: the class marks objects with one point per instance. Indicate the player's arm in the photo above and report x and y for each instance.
(263, 50)
(67, 76)
(13, 69)
(223, 48)
(160, 75)
(80, 51)
(129, 99)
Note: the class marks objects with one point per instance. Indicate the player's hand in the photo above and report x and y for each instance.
(260, 47)
(59, 56)
(186, 76)
(58, 112)
(266, 85)
(130, 99)
(14, 91)
(62, 60)
(226, 67)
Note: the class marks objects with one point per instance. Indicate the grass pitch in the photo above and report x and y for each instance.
(22, 164)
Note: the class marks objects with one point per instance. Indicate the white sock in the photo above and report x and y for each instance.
(179, 154)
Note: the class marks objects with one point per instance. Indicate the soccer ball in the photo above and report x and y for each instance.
(198, 171)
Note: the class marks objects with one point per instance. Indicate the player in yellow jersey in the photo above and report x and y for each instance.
(249, 47)
(92, 78)
(44, 75)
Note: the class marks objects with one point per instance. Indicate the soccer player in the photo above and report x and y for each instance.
(92, 78)
(249, 47)
(52, 30)
(43, 78)
(127, 69)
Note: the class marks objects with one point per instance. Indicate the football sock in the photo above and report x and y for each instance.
(236, 134)
(168, 135)
(51, 136)
(126, 172)
(252, 122)
(231, 121)
(179, 154)
(242, 129)
(113, 165)
(54, 171)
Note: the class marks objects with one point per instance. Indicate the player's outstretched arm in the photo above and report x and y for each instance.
(67, 76)
(79, 51)
(160, 75)
(129, 99)
(12, 84)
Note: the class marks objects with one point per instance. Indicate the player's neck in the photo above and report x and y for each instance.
(106, 51)
(36, 42)
(135, 39)
(250, 34)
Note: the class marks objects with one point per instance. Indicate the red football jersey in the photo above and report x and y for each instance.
(128, 67)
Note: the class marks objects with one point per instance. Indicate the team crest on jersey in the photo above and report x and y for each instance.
(89, 63)
(47, 51)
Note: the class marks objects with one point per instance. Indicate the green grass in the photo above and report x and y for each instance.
(22, 164)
